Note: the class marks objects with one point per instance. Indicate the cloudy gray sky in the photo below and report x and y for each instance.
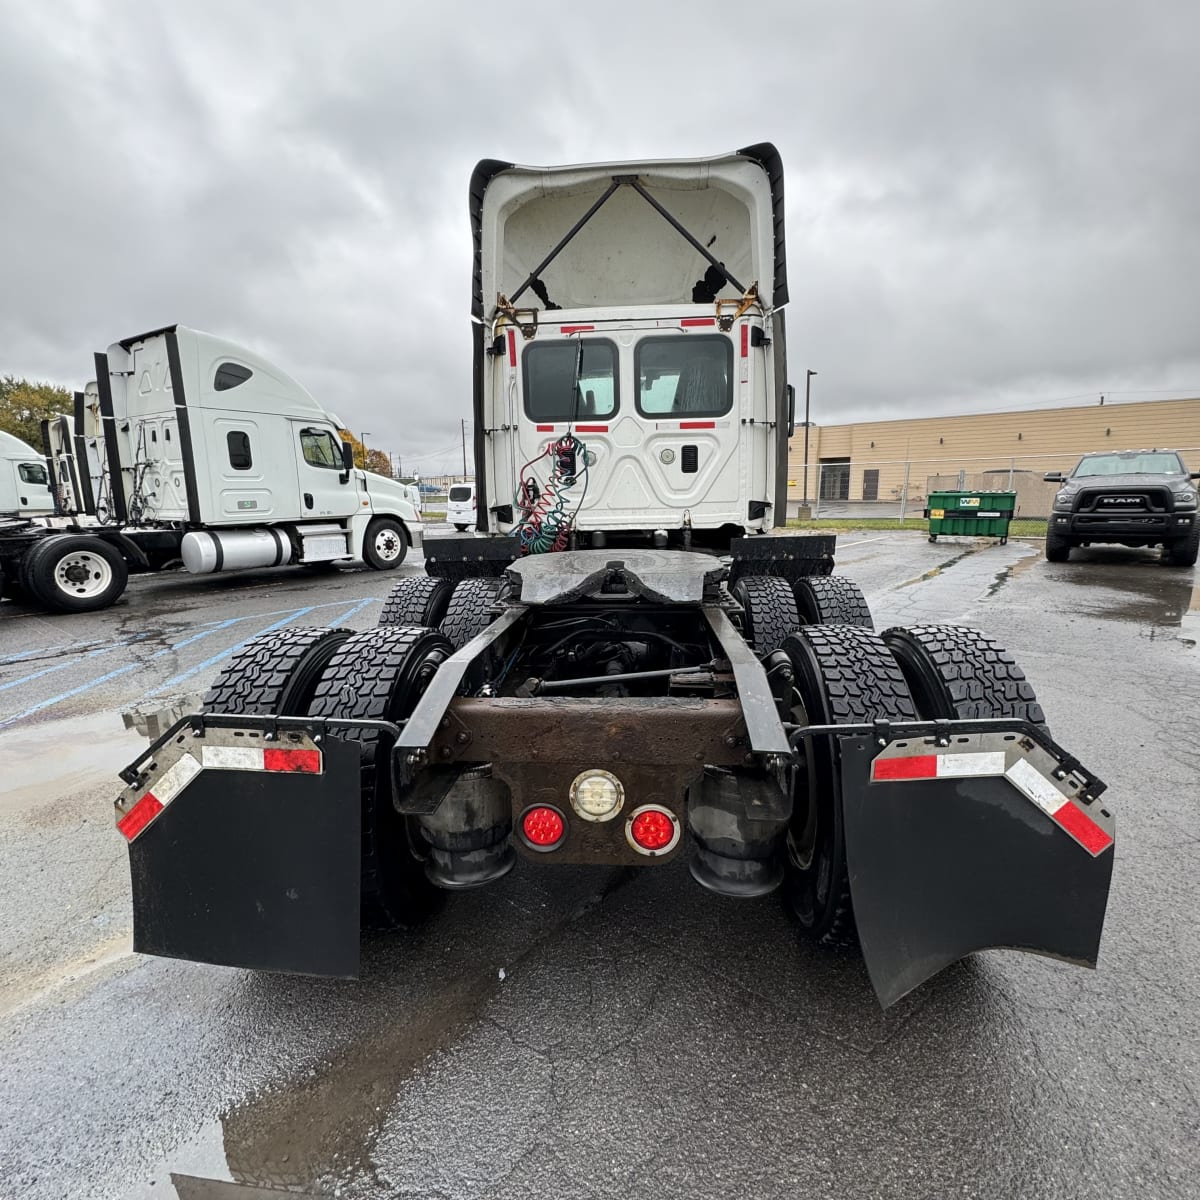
(989, 205)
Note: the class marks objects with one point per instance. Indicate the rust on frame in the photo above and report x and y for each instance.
(592, 731)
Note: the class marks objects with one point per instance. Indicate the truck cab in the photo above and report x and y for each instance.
(205, 435)
(638, 317)
(24, 481)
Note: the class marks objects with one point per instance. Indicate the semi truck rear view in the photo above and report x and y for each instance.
(626, 665)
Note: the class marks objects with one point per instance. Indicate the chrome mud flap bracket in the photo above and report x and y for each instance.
(961, 841)
(244, 847)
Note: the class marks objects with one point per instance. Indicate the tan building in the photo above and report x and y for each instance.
(900, 461)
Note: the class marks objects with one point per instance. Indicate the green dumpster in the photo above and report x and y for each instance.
(971, 514)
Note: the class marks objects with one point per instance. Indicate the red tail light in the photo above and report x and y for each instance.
(543, 827)
(652, 830)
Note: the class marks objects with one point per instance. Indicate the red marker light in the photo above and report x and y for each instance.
(543, 827)
(653, 829)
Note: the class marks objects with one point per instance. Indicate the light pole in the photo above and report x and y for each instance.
(362, 437)
(807, 391)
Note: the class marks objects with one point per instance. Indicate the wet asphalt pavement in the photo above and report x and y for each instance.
(571, 1032)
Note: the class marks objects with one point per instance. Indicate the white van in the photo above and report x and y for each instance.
(460, 506)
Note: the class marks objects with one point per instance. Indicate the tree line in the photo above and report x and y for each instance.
(24, 405)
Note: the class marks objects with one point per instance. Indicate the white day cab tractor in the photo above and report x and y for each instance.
(625, 665)
(190, 449)
(24, 480)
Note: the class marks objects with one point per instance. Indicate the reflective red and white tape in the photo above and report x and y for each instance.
(1025, 777)
(213, 758)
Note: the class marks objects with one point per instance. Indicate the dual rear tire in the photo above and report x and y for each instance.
(376, 675)
(772, 607)
(848, 674)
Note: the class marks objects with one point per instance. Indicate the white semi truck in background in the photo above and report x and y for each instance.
(24, 480)
(188, 448)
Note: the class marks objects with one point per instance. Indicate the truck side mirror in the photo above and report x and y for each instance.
(791, 399)
(1053, 477)
(347, 462)
(1194, 475)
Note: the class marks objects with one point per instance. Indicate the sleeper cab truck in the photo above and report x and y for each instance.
(191, 449)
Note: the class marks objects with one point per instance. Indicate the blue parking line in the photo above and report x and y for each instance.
(356, 609)
(216, 658)
(210, 628)
(12, 658)
(71, 662)
(83, 687)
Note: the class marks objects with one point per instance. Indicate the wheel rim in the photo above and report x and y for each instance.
(387, 545)
(83, 574)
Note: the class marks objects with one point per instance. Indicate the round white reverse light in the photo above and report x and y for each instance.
(597, 795)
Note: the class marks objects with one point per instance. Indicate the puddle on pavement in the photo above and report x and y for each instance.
(1190, 624)
(62, 757)
(327, 1124)
(934, 572)
(303, 1138)
(1160, 601)
(319, 1131)
(321, 1128)
(1013, 571)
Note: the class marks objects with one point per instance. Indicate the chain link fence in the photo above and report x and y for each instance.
(898, 489)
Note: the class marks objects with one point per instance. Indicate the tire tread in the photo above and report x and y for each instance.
(256, 680)
(770, 611)
(359, 682)
(973, 675)
(832, 600)
(862, 682)
(469, 611)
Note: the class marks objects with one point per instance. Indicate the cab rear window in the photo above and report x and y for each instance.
(459, 494)
(684, 376)
(574, 380)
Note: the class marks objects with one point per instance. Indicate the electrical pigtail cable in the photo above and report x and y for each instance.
(546, 523)
(547, 519)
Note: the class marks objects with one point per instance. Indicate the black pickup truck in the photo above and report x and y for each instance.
(1129, 497)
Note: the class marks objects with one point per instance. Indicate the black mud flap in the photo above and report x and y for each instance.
(994, 840)
(245, 852)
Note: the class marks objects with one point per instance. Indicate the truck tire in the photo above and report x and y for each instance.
(380, 674)
(385, 545)
(420, 600)
(769, 611)
(1058, 549)
(469, 611)
(275, 672)
(832, 600)
(1184, 551)
(843, 673)
(74, 572)
(954, 672)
